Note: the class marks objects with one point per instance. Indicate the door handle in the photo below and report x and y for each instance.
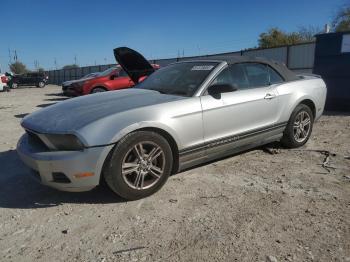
(269, 96)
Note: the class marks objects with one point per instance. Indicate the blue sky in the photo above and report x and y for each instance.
(45, 30)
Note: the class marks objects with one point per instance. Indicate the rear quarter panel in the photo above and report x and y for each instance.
(293, 93)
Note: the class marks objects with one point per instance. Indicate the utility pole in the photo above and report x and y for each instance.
(10, 57)
(55, 62)
(15, 57)
(36, 64)
(75, 60)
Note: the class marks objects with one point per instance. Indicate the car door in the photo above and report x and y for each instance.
(31, 79)
(22, 79)
(124, 80)
(250, 110)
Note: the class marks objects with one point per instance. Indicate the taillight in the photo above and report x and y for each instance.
(4, 79)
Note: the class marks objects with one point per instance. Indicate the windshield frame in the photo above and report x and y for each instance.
(207, 78)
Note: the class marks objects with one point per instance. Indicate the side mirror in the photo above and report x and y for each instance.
(216, 90)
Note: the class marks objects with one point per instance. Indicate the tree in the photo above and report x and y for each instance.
(307, 33)
(18, 68)
(41, 70)
(70, 66)
(276, 37)
(341, 21)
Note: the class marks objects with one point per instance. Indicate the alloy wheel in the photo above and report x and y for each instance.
(143, 165)
(301, 126)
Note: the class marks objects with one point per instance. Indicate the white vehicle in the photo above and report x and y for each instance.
(3, 83)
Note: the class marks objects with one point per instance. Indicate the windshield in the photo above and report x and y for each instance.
(178, 79)
(89, 75)
(107, 72)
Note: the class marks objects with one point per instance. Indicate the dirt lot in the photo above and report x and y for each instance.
(263, 205)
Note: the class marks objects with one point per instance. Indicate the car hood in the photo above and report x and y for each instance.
(71, 115)
(77, 81)
(133, 63)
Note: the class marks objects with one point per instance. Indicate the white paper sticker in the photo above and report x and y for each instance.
(345, 45)
(202, 67)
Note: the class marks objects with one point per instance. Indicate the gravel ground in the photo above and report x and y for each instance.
(268, 204)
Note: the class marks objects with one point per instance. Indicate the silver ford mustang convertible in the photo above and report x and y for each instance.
(180, 116)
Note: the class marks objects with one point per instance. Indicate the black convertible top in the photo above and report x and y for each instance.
(287, 74)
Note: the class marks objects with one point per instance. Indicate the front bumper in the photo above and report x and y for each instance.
(45, 165)
(70, 91)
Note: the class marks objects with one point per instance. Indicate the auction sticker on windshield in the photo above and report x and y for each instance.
(202, 67)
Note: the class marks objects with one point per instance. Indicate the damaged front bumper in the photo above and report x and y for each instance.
(73, 171)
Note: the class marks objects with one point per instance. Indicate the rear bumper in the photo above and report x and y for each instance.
(50, 167)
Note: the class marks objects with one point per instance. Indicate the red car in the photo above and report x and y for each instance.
(113, 78)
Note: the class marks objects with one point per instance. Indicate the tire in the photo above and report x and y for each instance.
(293, 135)
(98, 90)
(41, 84)
(131, 178)
(14, 85)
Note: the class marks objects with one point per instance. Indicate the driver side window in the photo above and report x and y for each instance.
(233, 75)
(223, 78)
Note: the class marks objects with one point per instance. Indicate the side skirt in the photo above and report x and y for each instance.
(228, 146)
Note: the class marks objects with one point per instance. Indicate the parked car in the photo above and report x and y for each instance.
(37, 79)
(3, 83)
(113, 78)
(180, 116)
(67, 86)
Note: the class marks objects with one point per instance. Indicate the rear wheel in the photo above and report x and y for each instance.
(299, 127)
(98, 90)
(41, 84)
(139, 166)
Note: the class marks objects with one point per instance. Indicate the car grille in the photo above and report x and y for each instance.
(59, 177)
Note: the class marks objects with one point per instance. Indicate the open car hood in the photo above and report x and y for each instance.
(134, 64)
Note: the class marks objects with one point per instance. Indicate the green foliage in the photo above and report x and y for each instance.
(341, 21)
(41, 70)
(70, 66)
(276, 37)
(18, 68)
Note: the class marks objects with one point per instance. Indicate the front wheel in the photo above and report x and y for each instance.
(139, 165)
(14, 85)
(98, 90)
(299, 127)
(41, 84)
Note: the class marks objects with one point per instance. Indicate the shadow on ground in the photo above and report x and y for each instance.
(55, 94)
(57, 99)
(21, 115)
(19, 190)
(45, 105)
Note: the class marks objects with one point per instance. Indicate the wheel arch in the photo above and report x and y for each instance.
(308, 102)
(173, 145)
(98, 86)
(159, 130)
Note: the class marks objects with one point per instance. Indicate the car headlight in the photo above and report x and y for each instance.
(62, 142)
